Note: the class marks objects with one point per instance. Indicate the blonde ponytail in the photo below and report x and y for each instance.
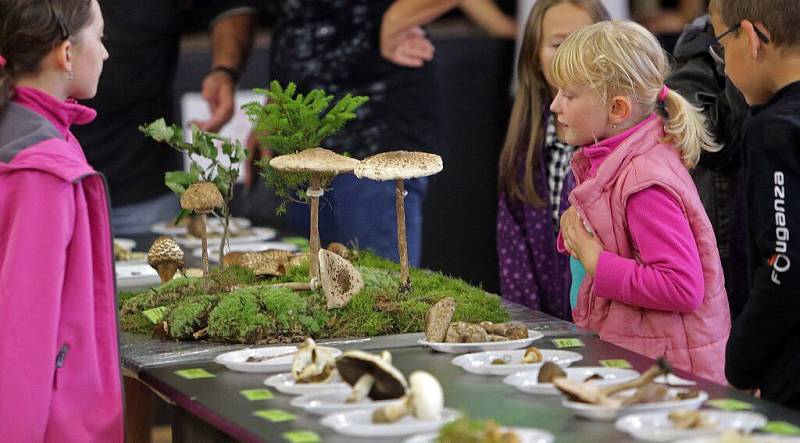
(686, 128)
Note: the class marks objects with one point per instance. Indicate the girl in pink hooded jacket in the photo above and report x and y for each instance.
(646, 269)
(59, 361)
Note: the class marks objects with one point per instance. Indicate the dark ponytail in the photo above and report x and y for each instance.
(30, 29)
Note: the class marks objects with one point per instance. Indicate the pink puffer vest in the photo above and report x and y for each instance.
(693, 341)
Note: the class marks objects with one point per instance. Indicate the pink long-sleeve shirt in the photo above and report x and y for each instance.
(668, 275)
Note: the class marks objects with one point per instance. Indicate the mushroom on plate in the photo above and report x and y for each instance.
(202, 198)
(166, 257)
(438, 319)
(312, 364)
(424, 401)
(371, 376)
(399, 166)
(601, 395)
(315, 161)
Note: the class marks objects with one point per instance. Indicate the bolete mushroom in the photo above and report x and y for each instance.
(425, 401)
(339, 280)
(399, 166)
(202, 198)
(438, 319)
(166, 257)
(371, 376)
(315, 161)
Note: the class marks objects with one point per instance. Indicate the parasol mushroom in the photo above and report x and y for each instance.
(202, 198)
(166, 257)
(273, 262)
(371, 376)
(399, 166)
(315, 161)
(339, 280)
(424, 401)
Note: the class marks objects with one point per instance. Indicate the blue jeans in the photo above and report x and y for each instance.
(362, 212)
(135, 219)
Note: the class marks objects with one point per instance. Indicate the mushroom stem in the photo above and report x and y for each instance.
(296, 286)
(204, 241)
(166, 271)
(393, 412)
(313, 262)
(402, 246)
(361, 388)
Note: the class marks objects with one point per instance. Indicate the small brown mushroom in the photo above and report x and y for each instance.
(549, 371)
(202, 198)
(461, 332)
(399, 166)
(166, 257)
(340, 250)
(438, 319)
(371, 376)
(316, 161)
(270, 262)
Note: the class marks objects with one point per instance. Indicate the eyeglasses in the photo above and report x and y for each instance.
(717, 51)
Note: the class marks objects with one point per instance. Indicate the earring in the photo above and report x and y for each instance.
(71, 75)
(614, 125)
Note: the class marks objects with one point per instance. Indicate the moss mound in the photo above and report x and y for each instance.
(234, 306)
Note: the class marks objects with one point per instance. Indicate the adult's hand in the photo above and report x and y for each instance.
(218, 91)
(408, 47)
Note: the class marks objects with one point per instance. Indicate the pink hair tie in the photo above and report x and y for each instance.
(663, 94)
(2, 62)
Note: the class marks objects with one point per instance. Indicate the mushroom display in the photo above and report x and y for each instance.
(339, 280)
(312, 364)
(166, 257)
(438, 319)
(424, 401)
(272, 262)
(399, 166)
(316, 162)
(202, 198)
(371, 376)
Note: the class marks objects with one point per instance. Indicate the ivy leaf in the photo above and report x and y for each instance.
(158, 130)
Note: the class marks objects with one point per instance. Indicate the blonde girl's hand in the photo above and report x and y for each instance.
(579, 242)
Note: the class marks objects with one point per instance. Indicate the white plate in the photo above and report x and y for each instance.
(285, 383)
(749, 439)
(656, 426)
(212, 224)
(125, 243)
(237, 360)
(596, 412)
(258, 234)
(213, 254)
(526, 435)
(135, 275)
(527, 381)
(460, 348)
(481, 362)
(359, 423)
(329, 402)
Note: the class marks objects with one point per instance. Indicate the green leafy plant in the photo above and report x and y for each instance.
(291, 122)
(203, 145)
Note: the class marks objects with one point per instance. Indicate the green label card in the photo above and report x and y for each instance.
(781, 428)
(156, 314)
(616, 363)
(568, 343)
(302, 437)
(729, 404)
(256, 394)
(275, 415)
(194, 373)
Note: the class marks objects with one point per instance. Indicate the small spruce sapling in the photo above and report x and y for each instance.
(290, 123)
(208, 146)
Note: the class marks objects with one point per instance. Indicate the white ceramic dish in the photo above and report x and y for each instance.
(460, 348)
(257, 234)
(656, 426)
(285, 384)
(749, 439)
(279, 359)
(125, 243)
(527, 381)
(604, 413)
(213, 254)
(359, 424)
(212, 224)
(481, 362)
(333, 401)
(135, 275)
(526, 435)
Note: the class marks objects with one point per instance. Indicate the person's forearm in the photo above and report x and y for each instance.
(231, 40)
(490, 18)
(404, 14)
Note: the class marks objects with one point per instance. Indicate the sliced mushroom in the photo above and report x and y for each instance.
(461, 332)
(371, 376)
(424, 401)
(312, 364)
(166, 257)
(202, 198)
(339, 280)
(438, 319)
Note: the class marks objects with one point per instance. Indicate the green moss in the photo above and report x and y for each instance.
(245, 309)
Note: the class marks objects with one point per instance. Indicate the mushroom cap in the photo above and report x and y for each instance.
(389, 382)
(427, 398)
(164, 250)
(399, 165)
(438, 319)
(201, 197)
(339, 278)
(269, 262)
(314, 160)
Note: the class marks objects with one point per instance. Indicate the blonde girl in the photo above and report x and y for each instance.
(643, 250)
(534, 165)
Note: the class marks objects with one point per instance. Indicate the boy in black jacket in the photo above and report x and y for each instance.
(761, 51)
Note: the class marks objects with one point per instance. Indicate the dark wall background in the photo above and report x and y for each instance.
(474, 73)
